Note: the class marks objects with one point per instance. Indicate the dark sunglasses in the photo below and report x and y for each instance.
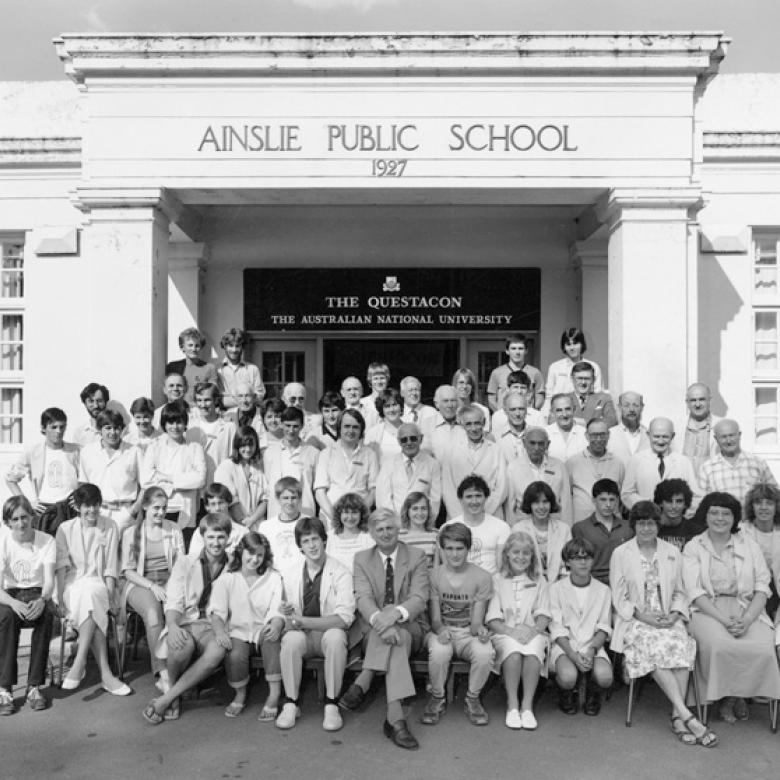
(408, 439)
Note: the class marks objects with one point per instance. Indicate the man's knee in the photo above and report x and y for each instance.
(481, 653)
(293, 643)
(334, 640)
(439, 652)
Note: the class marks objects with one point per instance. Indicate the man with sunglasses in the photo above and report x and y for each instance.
(411, 470)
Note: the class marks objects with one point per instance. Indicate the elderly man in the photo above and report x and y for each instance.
(443, 430)
(175, 388)
(414, 410)
(391, 593)
(535, 465)
(510, 440)
(593, 463)
(629, 436)
(352, 392)
(567, 436)
(291, 457)
(647, 468)
(731, 469)
(588, 404)
(518, 382)
(475, 454)
(247, 412)
(697, 440)
(411, 470)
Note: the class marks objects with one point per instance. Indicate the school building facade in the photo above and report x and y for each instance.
(411, 198)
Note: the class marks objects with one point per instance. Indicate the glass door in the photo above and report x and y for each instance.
(283, 361)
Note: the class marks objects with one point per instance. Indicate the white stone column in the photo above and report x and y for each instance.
(649, 291)
(185, 268)
(590, 261)
(125, 248)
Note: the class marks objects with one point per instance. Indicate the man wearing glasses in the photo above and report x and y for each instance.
(411, 470)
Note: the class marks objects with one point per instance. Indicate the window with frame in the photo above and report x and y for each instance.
(766, 340)
(11, 339)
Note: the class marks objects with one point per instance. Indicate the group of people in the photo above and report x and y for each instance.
(526, 537)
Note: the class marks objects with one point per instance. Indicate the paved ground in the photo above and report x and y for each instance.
(89, 734)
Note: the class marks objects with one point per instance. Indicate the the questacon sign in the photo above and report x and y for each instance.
(303, 299)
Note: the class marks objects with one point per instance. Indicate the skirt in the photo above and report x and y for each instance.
(507, 645)
(646, 648)
(734, 666)
(87, 597)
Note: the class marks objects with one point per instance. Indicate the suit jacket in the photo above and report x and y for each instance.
(627, 582)
(412, 587)
(598, 406)
(393, 484)
(336, 590)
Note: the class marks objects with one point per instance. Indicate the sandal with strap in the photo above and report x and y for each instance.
(681, 732)
(234, 709)
(151, 715)
(708, 739)
(268, 714)
(174, 710)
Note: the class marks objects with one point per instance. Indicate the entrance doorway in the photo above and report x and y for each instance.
(432, 361)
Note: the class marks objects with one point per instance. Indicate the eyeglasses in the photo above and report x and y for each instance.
(408, 439)
(581, 557)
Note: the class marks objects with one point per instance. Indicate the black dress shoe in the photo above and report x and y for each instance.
(400, 734)
(567, 702)
(592, 702)
(352, 699)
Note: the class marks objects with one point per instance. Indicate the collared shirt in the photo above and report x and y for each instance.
(393, 557)
(564, 445)
(116, 472)
(736, 478)
(604, 541)
(418, 415)
(86, 434)
(340, 472)
(241, 373)
(584, 470)
(440, 436)
(698, 440)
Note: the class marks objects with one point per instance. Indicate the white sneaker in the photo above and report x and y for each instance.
(528, 720)
(513, 719)
(332, 720)
(287, 717)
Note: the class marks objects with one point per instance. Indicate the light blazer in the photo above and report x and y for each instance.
(412, 587)
(393, 484)
(627, 582)
(336, 590)
(558, 534)
(752, 572)
(489, 463)
(579, 625)
(72, 556)
(520, 473)
(31, 464)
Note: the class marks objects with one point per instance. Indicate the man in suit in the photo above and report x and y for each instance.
(589, 405)
(411, 470)
(318, 609)
(391, 593)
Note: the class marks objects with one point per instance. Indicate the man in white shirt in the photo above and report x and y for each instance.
(208, 428)
(247, 412)
(414, 411)
(567, 437)
(294, 395)
(518, 382)
(352, 392)
(697, 432)
(443, 430)
(411, 470)
(115, 467)
(234, 369)
(280, 529)
(629, 436)
(647, 468)
(292, 457)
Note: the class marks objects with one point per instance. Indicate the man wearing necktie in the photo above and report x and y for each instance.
(590, 405)
(414, 411)
(391, 593)
(411, 470)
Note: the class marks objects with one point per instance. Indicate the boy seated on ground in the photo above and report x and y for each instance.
(188, 633)
(460, 592)
(581, 608)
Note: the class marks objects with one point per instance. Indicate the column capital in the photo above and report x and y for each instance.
(127, 204)
(186, 254)
(644, 204)
(589, 254)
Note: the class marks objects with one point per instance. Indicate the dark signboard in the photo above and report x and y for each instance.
(340, 299)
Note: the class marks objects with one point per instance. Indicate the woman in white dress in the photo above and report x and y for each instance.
(87, 571)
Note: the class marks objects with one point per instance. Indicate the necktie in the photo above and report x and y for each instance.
(583, 399)
(661, 465)
(409, 468)
(414, 415)
(389, 583)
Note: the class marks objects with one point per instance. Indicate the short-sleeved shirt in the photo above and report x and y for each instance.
(22, 565)
(497, 383)
(680, 535)
(486, 539)
(603, 541)
(281, 537)
(457, 597)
